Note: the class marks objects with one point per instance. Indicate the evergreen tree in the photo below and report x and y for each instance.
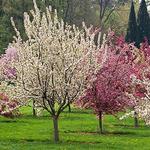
(143, 22)
(132, 30)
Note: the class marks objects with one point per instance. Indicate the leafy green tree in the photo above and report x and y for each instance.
(132, 30)
(143, 22)
(15, 9)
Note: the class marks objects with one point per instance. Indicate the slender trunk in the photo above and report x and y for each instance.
(56, 132)
(33, 109)
(136, 124)
(69, 108)
(100, 123)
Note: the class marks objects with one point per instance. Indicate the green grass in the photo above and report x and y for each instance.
(78, 130)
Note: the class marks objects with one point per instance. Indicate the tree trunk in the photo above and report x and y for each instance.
(136, 124)
(56, 132)
(33, 109)
(100, 123)
(69, 108)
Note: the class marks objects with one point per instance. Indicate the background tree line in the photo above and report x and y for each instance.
(104, 13)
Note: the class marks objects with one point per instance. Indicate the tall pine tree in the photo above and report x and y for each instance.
(132, 30)
(143, 22)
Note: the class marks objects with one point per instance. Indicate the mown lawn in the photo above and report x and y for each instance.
(78, 130)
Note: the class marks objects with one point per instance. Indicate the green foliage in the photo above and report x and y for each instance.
(72, 11)
(15, 9)
(132, 30)
(143, 21)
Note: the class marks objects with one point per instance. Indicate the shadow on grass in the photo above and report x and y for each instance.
(16, 121)
(27, 140)
(8, 121)
(130, 126)
(104, 133)
(82, 142)
(118, 133)
(47, 141)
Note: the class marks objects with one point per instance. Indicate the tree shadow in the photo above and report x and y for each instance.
(104, 132)
(8, 121)
(81, 132)
(118, 133)
(130, 126)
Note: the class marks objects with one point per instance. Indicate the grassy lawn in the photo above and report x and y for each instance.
(78, 130)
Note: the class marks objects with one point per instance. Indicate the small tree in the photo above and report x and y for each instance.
(141, 96)
(132, 30)
(54, 62)
(107, 94)
(143, 22)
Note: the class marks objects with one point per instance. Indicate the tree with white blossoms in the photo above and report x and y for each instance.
(56, 62)
(141, 97)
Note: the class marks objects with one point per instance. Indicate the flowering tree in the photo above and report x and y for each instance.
(54, 62)
(141, 96)
(139, 85)
(107, 94)
(8, 106)
(6, 71)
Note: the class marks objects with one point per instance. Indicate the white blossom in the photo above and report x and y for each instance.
(56, 62)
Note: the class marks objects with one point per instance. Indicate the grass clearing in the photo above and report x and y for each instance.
(78, 130)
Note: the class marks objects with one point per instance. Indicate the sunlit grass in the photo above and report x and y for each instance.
(78, 130)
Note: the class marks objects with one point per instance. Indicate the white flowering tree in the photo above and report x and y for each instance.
(141, 97)
(56, 62)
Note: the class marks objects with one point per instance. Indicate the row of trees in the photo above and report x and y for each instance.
(138, 29)
(97, 12)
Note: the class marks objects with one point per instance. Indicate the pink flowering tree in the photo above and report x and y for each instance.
(8, 106)
(107, 94)
(139, 91)
(8, 72)
(140, 85)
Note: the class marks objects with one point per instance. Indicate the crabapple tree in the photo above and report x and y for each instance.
(107, 94)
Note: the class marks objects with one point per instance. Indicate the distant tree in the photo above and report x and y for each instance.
(132, 30)
(8, 106)
(143, 22)
(106, 9)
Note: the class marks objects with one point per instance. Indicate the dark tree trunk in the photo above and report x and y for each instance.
(56, 132)
(100, 123)
(33, 109)
(69, 108)
(136, 124)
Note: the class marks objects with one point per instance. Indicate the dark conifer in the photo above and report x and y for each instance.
(132, 30)
(143, 22)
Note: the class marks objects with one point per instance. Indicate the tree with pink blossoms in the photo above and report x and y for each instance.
(6, 71)
(8, 106)
(140, 87)
(107, 94)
